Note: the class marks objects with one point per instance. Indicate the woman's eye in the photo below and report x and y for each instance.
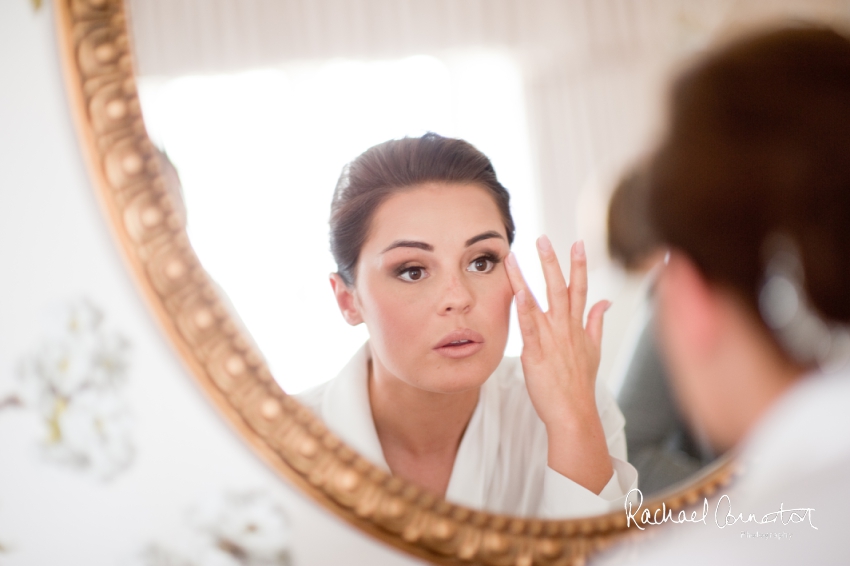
(412, 274)
(481, 265)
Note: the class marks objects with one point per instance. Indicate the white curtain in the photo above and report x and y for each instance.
(593, 69)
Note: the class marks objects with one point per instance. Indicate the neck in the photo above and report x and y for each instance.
(749, 377)
(419, 422)
(419, 431)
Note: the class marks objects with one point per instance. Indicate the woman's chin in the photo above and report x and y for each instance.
(449, 387)
(459, 377)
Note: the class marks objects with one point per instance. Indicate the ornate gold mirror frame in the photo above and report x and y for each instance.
(148, 222)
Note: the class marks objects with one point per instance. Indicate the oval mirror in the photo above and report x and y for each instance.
(216, 135)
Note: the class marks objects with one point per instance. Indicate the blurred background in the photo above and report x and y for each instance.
(260, 104)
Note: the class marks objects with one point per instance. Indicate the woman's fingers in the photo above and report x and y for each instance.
(578, 283)
(564, 301)
(594, 322)
(526, 306)
(556, 285)
(529, 326)
(515, 276)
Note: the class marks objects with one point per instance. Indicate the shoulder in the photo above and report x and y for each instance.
(816, 404)
(313, 398)
(349, 388)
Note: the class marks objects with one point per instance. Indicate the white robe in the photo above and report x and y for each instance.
(798, 456)
(501, 464)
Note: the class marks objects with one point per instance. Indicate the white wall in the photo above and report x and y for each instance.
(55, 247)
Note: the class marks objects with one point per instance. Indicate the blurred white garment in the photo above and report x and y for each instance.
(798, 456)
(501, 464)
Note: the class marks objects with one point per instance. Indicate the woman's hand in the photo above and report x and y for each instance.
(560, 358)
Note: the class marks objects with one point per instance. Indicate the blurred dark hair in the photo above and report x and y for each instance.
(397, 165)
(759, 143)
(631, 236)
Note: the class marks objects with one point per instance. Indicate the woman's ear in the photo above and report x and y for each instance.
(345, 300)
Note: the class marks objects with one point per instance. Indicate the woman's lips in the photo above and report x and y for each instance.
(460, 344)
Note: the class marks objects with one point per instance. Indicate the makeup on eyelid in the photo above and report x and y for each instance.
(490, 258)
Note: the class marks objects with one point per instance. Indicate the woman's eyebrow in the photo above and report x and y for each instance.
(409, 244)
(429, 248)
(483, 236)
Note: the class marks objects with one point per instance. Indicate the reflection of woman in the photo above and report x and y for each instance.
(421, 233)
(660, 445)
(751, 189)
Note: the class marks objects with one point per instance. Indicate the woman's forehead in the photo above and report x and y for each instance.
(436, 213)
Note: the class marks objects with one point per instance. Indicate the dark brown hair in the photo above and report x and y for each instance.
(631, 236)
(397, 165)
(759, 143)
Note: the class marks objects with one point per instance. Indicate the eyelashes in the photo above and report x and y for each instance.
(411, 272)
(489, 256)
(484, 263)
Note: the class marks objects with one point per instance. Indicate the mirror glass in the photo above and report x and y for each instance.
(259, 105)
(277, 145)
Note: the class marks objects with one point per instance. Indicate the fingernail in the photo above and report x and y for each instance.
(579, 247)
(511, 259)
(543, 244)
(608, 306)
(520, 297)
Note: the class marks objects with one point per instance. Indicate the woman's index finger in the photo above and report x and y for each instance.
(526, 308)
(514, 274)
(518, 282)
(578, 282)
(556, 284)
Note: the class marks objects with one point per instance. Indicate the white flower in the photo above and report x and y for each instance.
(58, 369)
(109, 361)
(78, 353)
(74, 317)
(210, 555)
(248, 528)
(74, 381)
(92, 430)
(155, 555)
(251, 527)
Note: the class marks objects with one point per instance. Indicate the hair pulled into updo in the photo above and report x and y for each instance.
(397, 165)
(758, 144)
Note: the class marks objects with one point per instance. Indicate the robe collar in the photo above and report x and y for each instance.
(348, 412)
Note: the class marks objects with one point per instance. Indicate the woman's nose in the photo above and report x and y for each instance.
(456, 297)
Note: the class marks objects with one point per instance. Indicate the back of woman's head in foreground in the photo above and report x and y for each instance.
(632, 242)
(758, 145)
(397, 165)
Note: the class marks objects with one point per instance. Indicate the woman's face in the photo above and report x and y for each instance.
(432, 288)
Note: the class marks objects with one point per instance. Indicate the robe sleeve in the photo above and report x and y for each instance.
(563, 498)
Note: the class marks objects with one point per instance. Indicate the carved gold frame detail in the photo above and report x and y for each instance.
(148, 221)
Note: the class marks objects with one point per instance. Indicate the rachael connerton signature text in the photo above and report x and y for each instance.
(723, 514)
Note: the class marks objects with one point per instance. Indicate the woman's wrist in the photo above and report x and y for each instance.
(578, 450)
(572, 413)
(575, 426)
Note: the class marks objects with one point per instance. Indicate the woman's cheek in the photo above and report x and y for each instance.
(399, 318)
(497, 303)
